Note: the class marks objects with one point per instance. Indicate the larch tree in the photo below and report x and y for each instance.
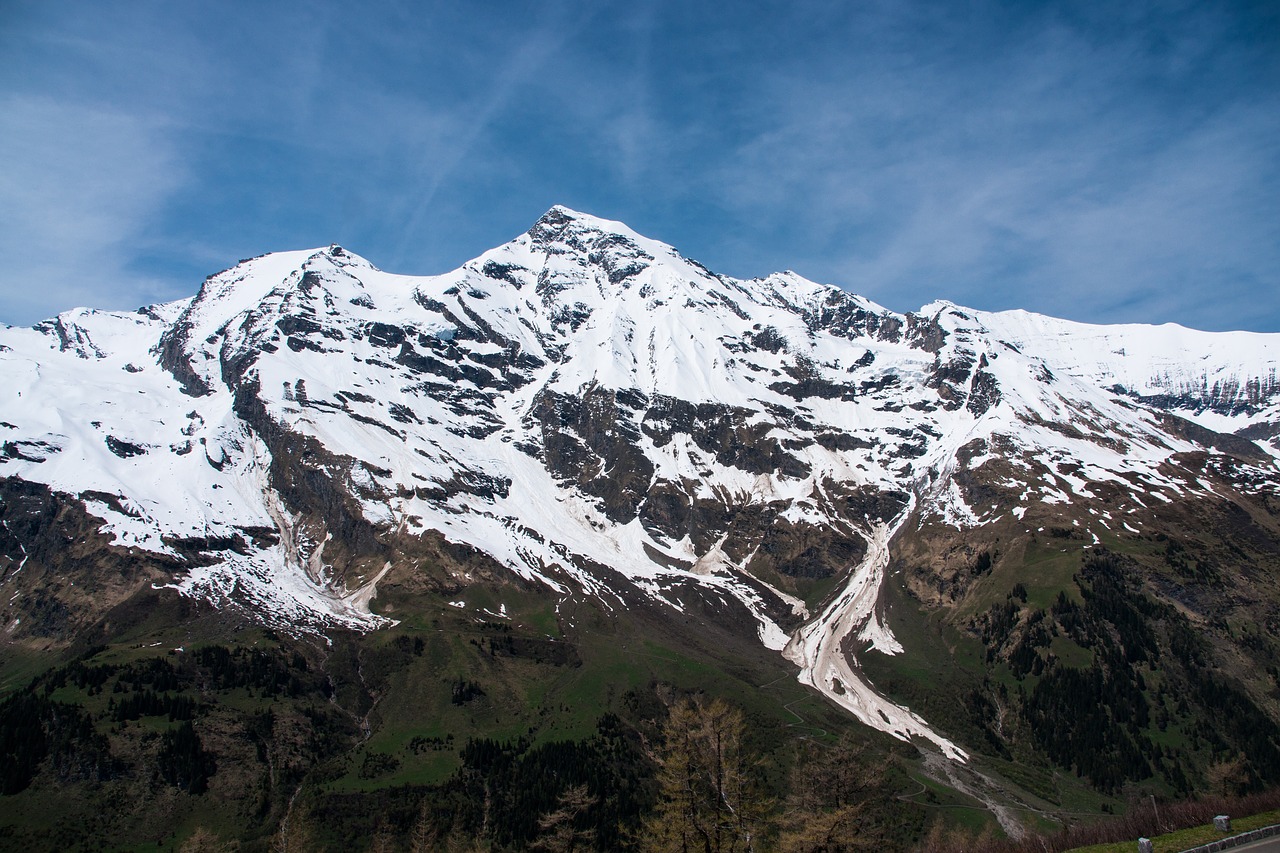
(710, 802)
(826, 811)
(557, 830)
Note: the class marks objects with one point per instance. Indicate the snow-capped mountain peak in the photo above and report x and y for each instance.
(604, 417)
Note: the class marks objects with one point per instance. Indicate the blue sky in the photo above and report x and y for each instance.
(1106, 162)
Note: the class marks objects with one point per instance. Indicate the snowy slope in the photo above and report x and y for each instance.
(1224, 380)
(584, 397)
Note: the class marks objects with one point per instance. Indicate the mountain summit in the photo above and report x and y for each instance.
(586, 412)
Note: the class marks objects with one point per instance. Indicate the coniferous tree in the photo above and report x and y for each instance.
(425, 837)
(183, 761)
(557, 830)
(710, 800)
(826, 811)
(383, 842)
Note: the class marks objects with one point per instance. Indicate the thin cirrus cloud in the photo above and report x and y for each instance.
(78, 186)
(1081, 160)
(1046, 176)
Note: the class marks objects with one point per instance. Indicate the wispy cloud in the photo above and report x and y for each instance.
(528, 52)
(1102, 162)
(1052, 174)
(79, 188)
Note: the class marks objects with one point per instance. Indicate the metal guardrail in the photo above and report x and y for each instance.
(1237, 840)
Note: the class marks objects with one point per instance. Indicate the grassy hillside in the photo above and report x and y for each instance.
(468, 719)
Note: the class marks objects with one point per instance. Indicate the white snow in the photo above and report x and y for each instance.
(590, 305)
(819, 650)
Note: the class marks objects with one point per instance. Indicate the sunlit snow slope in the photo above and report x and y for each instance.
(602, 416)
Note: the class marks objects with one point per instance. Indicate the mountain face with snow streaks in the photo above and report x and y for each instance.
(588, 412)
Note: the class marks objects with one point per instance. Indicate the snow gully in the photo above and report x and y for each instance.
(816, 647)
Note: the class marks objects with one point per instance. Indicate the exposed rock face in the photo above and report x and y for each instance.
(61, 574)
(586, 410)
(591, 441)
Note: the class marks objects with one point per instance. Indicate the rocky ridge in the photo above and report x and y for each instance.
(586, 410)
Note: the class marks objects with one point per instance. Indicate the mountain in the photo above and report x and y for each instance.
(908, 512)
